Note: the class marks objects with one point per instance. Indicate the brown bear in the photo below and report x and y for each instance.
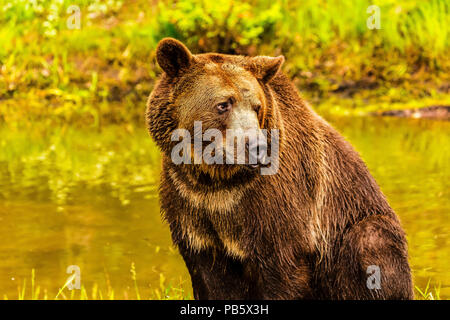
(317, 228)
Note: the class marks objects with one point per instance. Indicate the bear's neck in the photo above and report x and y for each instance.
(204, 191)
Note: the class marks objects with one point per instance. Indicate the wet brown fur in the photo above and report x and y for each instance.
(308, 232)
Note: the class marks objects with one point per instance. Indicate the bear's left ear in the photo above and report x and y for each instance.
(265, 68)
(173, 56)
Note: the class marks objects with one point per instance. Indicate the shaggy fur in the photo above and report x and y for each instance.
(308, 232)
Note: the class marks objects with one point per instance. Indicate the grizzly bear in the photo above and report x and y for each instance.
(318, 227)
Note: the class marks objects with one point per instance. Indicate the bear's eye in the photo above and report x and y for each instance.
(224, 106)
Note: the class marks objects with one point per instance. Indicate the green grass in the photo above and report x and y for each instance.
(165, 291)
(428, 293)
(104, 71)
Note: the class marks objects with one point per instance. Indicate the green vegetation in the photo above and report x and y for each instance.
(429, 294)
(104, 71)
(162, 292)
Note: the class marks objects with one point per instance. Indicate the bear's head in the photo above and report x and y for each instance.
(207, 96)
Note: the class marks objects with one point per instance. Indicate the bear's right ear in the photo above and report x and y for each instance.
(265, 68)
(173, 56)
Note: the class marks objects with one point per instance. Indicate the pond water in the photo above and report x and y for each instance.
(89, 198)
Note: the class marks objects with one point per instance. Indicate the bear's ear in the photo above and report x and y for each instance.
(265, 68)
(173, 56)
